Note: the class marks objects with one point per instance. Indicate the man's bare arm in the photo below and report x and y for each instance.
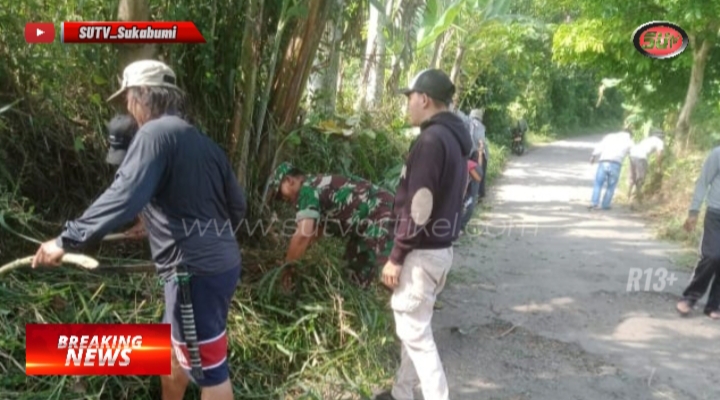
(137, 231)
(301, 240)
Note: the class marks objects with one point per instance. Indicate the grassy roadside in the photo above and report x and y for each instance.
(665, 200)
(326, 340)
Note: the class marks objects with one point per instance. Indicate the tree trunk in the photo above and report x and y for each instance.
(322, 85)
(440, 44)
(245, 105)
(456, 69)
(376, 83)
(134, 10)
(293, 72)
(364, 88)
(339, 99)
(433, 61)
(330, 83)
(410, 14)
(274, 45)
(701, 48)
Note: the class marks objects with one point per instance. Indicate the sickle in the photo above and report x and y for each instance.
(80, 260)
(76, 259)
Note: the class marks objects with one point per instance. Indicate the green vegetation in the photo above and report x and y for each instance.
(298, 86)
(679, 95)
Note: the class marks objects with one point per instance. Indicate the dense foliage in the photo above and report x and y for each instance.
(566, 67)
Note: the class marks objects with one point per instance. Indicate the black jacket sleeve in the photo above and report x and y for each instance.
(135, 184)
(422, 176)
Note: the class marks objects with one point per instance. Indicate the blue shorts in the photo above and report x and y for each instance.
(211, 296)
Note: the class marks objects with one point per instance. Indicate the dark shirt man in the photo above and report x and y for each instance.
(707, 270)
(428, 208)
(187, 191)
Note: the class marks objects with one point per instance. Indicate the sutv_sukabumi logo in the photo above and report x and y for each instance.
(660, 39)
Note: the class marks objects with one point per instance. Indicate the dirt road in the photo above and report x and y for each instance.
(537, 304)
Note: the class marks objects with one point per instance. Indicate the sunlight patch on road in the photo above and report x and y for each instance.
(639, 329)
(575, 144)
(544, 307)
(478, 384)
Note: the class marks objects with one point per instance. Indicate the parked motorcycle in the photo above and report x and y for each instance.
(518, 138)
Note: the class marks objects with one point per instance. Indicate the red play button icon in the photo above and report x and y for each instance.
(39, 32)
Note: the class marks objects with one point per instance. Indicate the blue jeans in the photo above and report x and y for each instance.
(606, 172)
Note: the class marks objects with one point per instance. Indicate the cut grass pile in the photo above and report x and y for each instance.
(326, 340)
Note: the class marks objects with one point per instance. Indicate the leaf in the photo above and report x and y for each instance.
(378, 6)
(352, 121)
(431, 13)
(299, 10)
(370, 133)
(95, 99)
(443, 24)
(78, 144)
(9, 106)
(294, 139)
(284, 350)
(329, 126)
(99, 80)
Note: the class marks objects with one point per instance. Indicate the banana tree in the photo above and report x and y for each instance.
(372, 77)
(323, 82)
(437, 27)
(402, 23)
(403, 37)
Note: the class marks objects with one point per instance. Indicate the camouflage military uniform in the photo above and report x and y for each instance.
(350, 208)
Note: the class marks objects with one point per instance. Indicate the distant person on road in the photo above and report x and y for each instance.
(610, 153)
(478, 155)
(707, 270)
(639, 161)
(428, 207)
(479, 136)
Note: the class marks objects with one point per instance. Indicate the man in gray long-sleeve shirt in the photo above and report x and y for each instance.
(191, 203)
(707, 189)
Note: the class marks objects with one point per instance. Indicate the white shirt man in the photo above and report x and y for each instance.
(614, 147)
(611, 153)
(642, 150)
(639, 161)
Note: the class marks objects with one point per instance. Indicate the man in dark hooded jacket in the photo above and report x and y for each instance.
(428, 209)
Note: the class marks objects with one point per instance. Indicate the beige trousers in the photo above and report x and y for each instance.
(422, 279)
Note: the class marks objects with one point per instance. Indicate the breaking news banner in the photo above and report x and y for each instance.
(130, 32)
(97, 349)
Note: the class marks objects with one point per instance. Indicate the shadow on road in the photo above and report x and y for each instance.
(537, 304)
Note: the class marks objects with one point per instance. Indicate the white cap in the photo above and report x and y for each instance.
(146, 73)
